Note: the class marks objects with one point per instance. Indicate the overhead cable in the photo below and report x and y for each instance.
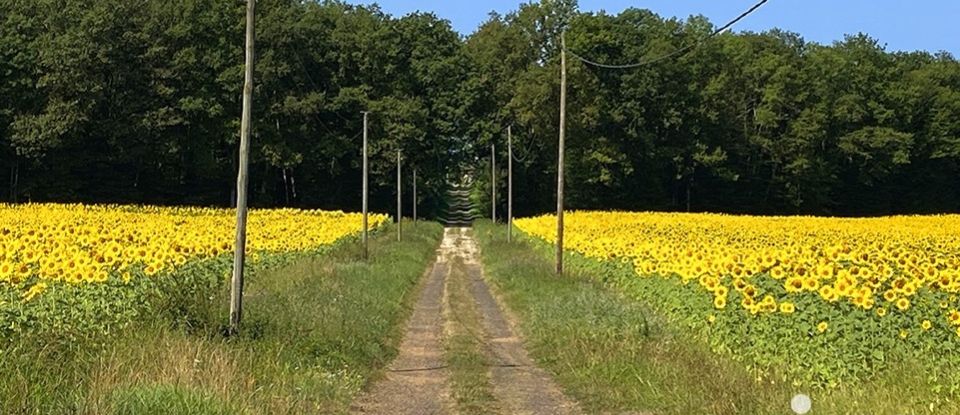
(682, 50)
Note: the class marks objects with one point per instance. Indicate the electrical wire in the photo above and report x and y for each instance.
(633, 65)
(515, 157)
(523, 150)
(682, 50)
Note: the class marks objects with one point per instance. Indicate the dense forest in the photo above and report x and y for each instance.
(138, 101)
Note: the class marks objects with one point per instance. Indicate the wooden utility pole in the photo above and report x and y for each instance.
(14, 179)
(493, 183)
(414, 196)
(399, 203)
(509, 185)
(563, 120)
(366, 250)
(236, 284)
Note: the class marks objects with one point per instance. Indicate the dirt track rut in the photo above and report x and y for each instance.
(417, 382)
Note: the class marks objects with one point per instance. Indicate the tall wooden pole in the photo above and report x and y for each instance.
(493, 183)
(236, 283)
(414, 196)
(14, 179)
(509, 185)
(563, 121)
(366, 249)
(399, 203)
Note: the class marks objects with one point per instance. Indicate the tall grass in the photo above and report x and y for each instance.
(615, 354)
(607, 351)
(315, 331)
(466, 352)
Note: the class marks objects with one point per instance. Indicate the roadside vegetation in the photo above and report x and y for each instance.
(613, 352)
(760, 122)
(466, 350)
(316, 329)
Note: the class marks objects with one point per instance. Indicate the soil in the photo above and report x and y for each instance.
(417, 381)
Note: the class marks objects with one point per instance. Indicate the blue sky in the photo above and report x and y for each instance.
(900, 24)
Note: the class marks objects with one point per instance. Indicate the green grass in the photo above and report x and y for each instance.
(613, 353)
(315, 331)
(166, 398)
(608, 351)
(465, 348)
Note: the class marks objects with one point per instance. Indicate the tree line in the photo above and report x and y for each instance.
(138, 101)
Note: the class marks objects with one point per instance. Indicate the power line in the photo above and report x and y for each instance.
(517, 159)
(740, 17)
(633, 65)
(676, 52)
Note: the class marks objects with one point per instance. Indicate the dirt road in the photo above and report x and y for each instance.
(417, 382)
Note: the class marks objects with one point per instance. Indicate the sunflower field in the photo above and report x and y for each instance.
(799, 299)
(104, 254)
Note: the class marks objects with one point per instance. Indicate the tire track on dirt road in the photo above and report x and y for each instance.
(418, 380)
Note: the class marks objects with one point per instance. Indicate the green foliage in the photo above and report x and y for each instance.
(72, 314)
(68, 314)
(166, 399)
(859, 349)
(127, 101)
(466, 354)
(609, 351)
(317, 327)
(858, 345)
(622, 343)
(119, 101)
(747, 122)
